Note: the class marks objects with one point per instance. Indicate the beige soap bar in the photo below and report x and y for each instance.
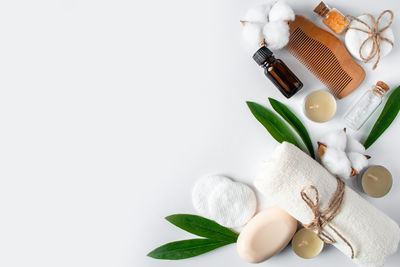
(266, 234)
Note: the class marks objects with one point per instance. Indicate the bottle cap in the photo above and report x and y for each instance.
(321, 9)
(262, 55)
(383, 86)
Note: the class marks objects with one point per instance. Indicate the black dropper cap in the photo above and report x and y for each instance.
(262, 55)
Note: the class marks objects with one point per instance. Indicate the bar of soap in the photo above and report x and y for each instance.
(266, 234)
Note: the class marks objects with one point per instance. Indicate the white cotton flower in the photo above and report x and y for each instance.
(252, 36)
(281, 11)
(336, 162)
(354, 145)
(276, 34)
(358, 161)
(258, 14)
(335, 139)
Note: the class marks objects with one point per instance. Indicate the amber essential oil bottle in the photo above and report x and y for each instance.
(277, 71)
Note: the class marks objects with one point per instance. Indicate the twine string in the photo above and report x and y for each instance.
(323, 218)
(374, 34)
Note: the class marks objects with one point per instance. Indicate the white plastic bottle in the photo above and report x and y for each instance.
(365, 106)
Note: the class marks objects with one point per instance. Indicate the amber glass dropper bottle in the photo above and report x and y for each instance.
(277, 71)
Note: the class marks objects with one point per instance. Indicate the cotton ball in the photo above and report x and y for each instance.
(281, 11)
(258, 14)
(354, 145)
(276, 34)
(232, 204)
(335, 139)
(337, 162)
(252, 36)
(202, 190)
(358, 160)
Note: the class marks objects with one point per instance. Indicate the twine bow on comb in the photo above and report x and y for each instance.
(324, 217)
(374, 34)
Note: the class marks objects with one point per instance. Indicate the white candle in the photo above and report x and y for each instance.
(376, 181)
(320, 106)
(307, 244)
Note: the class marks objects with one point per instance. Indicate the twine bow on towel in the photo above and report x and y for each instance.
(324, 217)
(374, 34)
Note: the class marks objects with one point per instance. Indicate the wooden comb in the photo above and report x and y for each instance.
(325, 56)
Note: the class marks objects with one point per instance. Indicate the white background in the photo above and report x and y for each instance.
(110, 110)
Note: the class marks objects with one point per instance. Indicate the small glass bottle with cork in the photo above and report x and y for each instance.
(277, 72)
(365, 106)
(332, 18)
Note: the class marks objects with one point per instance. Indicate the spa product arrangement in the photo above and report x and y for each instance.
(299, 185)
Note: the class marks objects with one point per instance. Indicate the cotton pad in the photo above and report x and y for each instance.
(202, 190)
(232, 204)
(354, 38)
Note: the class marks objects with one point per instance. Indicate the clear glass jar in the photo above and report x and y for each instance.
(332, 18)
(365, 106)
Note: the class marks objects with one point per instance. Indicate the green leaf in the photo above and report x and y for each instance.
(291, 118)
(185, 249)
(274, 125)
(202, 227)
(386, 118)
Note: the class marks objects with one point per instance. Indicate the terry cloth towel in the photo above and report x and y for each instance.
(373, 235)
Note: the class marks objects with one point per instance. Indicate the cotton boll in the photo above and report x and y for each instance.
(354, 145)
(276, 34)
(252, 36)
(335, 139)
(358, 160)
(281, 11)
(336, 162)
(258, 14)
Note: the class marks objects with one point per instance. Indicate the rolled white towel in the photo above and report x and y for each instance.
(373, 235)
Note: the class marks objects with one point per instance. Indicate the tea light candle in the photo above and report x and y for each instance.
(376, 181)
(320, 106)
(307, 244)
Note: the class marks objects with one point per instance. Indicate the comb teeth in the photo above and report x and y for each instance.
(318, 59)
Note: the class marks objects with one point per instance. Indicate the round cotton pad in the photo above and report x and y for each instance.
(354, 38)
(232, 204)
(202, 190)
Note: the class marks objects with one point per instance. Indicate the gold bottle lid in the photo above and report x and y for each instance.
(383, 86)
(322, 9)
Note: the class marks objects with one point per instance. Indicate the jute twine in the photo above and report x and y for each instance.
(324, 217)
(374, 34)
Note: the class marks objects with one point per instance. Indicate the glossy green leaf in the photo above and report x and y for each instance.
(386, 118)
(186, 249)
(296, 124)
(202, 227)
(274, 125)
